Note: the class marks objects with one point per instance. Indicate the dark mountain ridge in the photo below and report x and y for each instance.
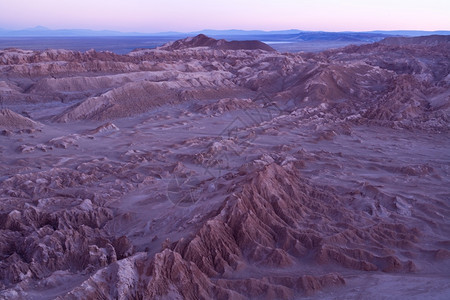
(202, 40)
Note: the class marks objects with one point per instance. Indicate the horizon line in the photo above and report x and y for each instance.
(211, 29)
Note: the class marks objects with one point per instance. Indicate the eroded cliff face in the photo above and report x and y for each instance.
(207, 170)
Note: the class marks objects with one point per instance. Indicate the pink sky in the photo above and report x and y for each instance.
(178, 15)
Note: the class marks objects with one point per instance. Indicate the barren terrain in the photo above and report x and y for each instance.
(207, 169)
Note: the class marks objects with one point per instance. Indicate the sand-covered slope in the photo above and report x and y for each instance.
(13, 121)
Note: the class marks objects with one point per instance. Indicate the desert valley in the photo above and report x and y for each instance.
(209, 169)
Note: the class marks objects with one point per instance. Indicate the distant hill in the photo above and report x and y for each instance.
(237, 32)
(202, 40)
(431, 40)
(41, 31)
(294, 34)
(341, 36)
(412, 33)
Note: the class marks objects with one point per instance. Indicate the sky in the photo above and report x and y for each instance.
(186, 16)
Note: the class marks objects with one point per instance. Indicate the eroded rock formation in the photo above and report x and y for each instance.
(207, 169)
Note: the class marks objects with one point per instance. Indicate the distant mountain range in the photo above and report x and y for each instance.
(41, 31)
(294, 35)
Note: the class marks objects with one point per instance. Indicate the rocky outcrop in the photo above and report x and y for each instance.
(13, 121)
(353, 80)
(273, 219)
(272, 222)
(138, 97)
(202, 40)
(226, 104)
